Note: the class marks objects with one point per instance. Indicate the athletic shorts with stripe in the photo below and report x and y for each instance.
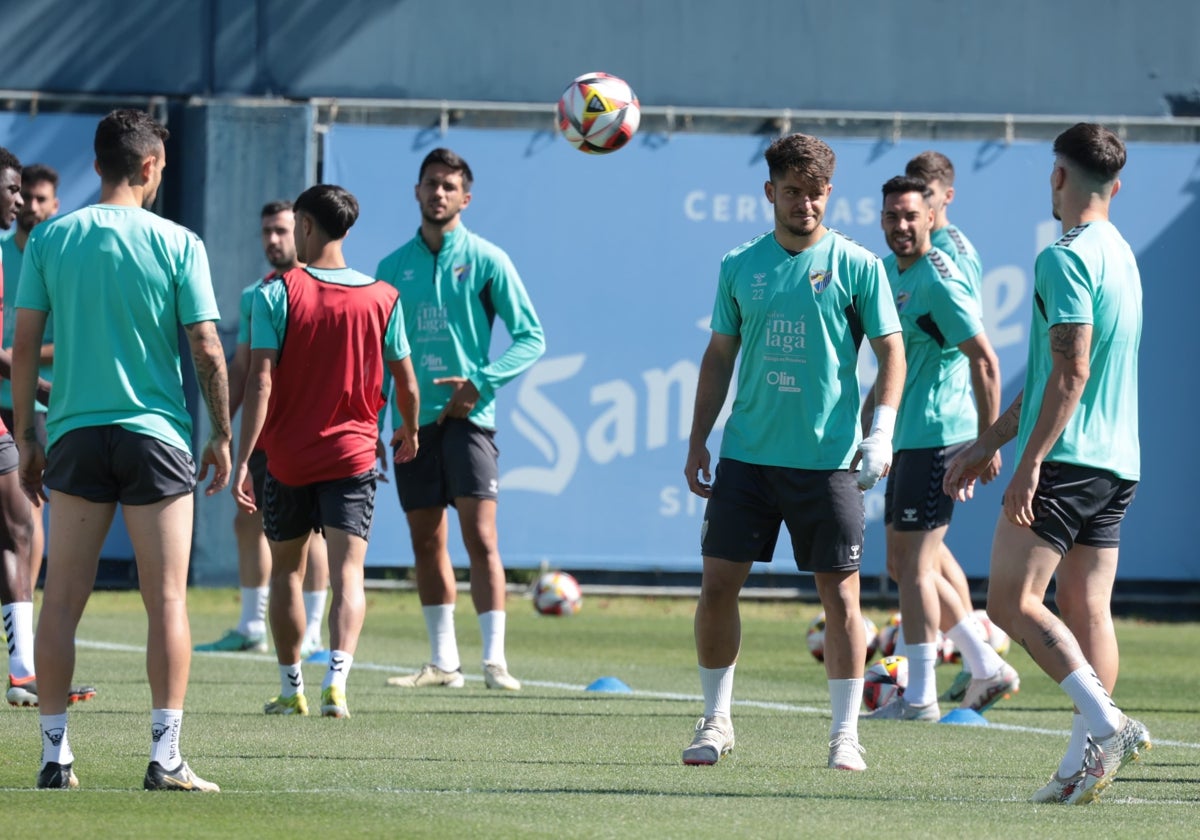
(456, 459)
(347, 504)
(914, 499)
(1080, 505)
(823, 510)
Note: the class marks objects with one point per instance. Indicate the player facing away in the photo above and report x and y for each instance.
(951, 393)
(39, 191)
(120, 282)
(321, 338)
(1078, 463)
(796, 303)
(453, 285)
(954, 591)
(254, 556)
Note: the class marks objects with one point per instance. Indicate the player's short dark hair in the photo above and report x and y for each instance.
(931, 166)
(39, 173)
(1094, 149)
(124, 139)
(901, 184)
(451, 160)
(807, 156)
(280, 205)
(333, 208)
(8, 160)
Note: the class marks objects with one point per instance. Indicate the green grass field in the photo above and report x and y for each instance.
(557, 761)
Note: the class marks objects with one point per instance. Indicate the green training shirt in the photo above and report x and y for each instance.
(937, 313)
(800, 319)
(119, 281)
(954, 243)
(1090, 276)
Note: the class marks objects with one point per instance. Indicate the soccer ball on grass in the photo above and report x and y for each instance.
(557, 593)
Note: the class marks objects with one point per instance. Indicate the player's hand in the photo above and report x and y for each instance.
(975, 463)
(243, 488)
(43, 391)
(462, 401)
(1018, 498)
(873, 458)
(696, 471)
(404, 441)
(32, 465)
(216, 455)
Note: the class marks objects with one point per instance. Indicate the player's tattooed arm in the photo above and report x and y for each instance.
(1072, 341)
(209, 358)
(1005, 427)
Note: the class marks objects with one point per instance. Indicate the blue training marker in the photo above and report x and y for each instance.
(611, 685)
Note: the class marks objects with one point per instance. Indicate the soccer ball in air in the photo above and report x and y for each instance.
(815, 637)
(598, 113)
(557, 593)
(885, 680)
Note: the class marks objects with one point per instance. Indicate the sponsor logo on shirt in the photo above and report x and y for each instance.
(819, 279)
(782, 381)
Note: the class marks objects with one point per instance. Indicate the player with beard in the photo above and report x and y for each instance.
(796, 304)
(453, 285)
(951, 392)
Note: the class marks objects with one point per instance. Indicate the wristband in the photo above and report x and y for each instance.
(884, 420)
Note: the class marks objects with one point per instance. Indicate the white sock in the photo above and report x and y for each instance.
(491, 627)
(164, 737)
(18, 627)
(314, 611)
(443, 645)
(54, 740)
(845, 696)
(922, 688)
(1092, 701)
(291, 680)
(1072, 762)
(717, 685)
(901, 645)
(339, 669)
(978, 656)
(254, 612)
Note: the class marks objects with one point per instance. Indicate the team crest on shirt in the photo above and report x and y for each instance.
(901, 300)
(461, 271)
(818, 279)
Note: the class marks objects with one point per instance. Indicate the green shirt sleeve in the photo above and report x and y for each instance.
(1061, 280)
(954, 310)
(196, 301)
(515, 309)
(269, 317)
(876, 307)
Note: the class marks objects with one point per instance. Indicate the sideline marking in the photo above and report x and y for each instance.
(656, 695)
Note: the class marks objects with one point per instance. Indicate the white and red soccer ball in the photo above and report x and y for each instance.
(598, 113)
(815, 637)
(884, 681)
(557, 593)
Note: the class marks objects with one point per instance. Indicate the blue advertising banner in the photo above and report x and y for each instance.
(620, 256)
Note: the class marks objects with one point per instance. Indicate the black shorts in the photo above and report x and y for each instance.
(823, 510)
(39, 424)
(914, 499)
(9, 457)
(115, 464)
(455, 459)
(258, 474)
(347, 504)
(1083, 505)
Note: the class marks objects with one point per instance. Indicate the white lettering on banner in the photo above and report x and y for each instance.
(612, 434)
(701, 206)
(1004, 295)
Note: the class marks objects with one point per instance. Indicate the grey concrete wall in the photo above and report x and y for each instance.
(1024, 56)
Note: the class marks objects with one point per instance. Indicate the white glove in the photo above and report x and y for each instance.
(876, 448)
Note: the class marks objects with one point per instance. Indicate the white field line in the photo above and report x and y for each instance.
(656, 695)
